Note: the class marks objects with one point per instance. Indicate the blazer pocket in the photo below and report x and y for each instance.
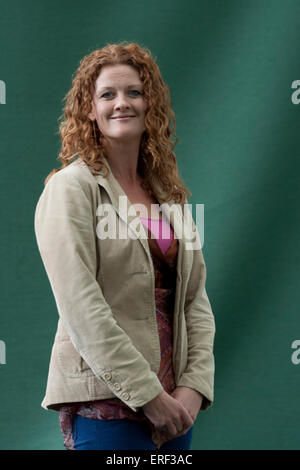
(71, 362)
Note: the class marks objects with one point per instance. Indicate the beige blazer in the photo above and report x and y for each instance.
(107, 343)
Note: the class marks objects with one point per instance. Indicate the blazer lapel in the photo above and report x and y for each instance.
(127, 212)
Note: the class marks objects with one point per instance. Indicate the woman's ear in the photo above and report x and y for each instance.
(91, 114)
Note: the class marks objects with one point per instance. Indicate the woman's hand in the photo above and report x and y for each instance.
(167, 413)
(192, 401)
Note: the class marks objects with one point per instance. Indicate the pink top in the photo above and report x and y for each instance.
(162, 231)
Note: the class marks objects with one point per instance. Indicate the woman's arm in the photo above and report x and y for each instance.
(199, 373)
(190, 399)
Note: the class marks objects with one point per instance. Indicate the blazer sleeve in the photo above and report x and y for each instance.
(65, 231)
(199, 373)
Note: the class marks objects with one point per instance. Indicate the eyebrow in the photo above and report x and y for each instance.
(112, 88)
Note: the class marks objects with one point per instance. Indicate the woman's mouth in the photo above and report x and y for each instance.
(122, 118)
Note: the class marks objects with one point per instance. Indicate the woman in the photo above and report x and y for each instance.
(132, 362)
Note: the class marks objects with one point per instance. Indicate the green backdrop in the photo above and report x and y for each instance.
(230, 66)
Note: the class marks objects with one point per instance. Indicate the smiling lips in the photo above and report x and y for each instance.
(122, 117)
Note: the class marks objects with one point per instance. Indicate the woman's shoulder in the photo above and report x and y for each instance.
(77, 173)
(71, 187)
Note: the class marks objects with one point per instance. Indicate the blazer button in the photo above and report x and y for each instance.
(107, 376)
(125, 395)
(117, 386)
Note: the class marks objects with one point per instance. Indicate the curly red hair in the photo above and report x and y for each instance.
(80, 137)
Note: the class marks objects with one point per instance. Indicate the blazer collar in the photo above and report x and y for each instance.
(126, 210)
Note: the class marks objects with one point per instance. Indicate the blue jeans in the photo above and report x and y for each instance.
(120, 434)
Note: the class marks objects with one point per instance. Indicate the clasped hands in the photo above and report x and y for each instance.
(192, 401)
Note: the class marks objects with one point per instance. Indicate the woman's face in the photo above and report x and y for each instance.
(119, 92)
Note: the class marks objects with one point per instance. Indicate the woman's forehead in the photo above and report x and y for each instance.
(118, 72)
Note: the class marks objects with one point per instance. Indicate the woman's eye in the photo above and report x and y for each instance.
(134, 92)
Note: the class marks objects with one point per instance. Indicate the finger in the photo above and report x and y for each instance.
(182, 430)
(182, 433)
(168, 430)
(172, 429)
(185, 431)
(188, 420)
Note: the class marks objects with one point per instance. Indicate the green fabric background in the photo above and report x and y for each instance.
(230, 66)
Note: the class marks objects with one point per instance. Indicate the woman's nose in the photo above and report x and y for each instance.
(121, 102)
